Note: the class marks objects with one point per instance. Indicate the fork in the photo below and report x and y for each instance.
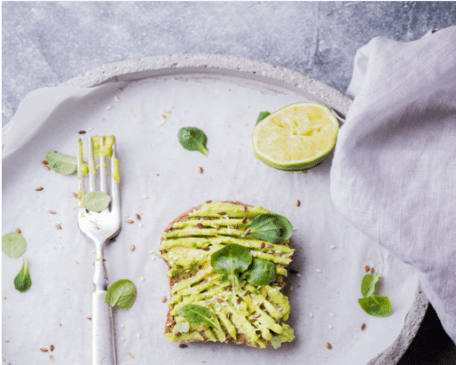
(100, 228)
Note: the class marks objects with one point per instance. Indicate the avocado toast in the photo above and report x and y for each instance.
(239, 313)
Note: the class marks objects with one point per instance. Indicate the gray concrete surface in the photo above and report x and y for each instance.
(47, 43)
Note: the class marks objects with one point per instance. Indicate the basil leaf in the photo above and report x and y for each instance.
(193, 139)
(122, 293)
(375, 305)
(368, 284)
(230, 261)
(182, 327)
(198, 315)
(63, 164)
(95, 201)
(23, 282)
(263, 272)
(261, 116)
(273, 228)
(276, 342)
(13, 244)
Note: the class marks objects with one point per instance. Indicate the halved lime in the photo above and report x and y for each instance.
(297, 137)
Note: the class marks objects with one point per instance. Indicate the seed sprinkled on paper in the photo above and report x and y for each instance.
(332, 247)
(363, 326)
(311, 315)
(318, 270)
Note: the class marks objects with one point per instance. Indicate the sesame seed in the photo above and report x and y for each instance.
(140, 225)
(145, 197)
(318, 270)
(116, 99)
(90, 128)
(332, 247)
(151, 251)
(247, 244)
(311, 315)
(122, 325)
(122, 339)
(138, 335)
(332, 314)
(109, 107)
(330, 327)
(142, 278)
(298, 275)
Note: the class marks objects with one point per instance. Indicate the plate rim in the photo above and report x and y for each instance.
(235, 66)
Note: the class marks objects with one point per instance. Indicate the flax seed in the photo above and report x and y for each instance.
(236, 226)
(75, 195)
(52, 212)
(371, 271)
(138, 217)
(238, 301)
(131, 355)
(18, 230)
(218, 228)
(189, 235)
(130, 221)
(39, 189)
(270, 246)
(247, 231)
(221, 213)
(244, 208)
(263, 245)
(206, 249)
(47, 168)
(82, 132)
(366, 268)
(44, 162)
(363, 326)
(199, 225)
(178, 334)
(251, 320)
(219, 300)
(200, 267)
(298, 203)
(244, 220)
(52, 347)
(182, 346)
(303, 171)
(201, 170)
(89, 318)
(44, 349)
(246, 292)
(58, 226)
(257, 316)
(228, 315)
(208, 201)
(51, 357)
(328, 346)
(132, 247)
(164, 299)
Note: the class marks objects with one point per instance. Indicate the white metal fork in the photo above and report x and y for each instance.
(100, 228)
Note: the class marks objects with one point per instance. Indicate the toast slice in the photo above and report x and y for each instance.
(244, 314)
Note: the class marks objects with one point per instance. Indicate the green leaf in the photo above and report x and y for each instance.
(182, 327)
(375, 305)
(276, 342)
(273, 228)
(193, 139)
(122, 293)
(263, 272)
(261, 116)
(63, 164)
(23, 282)
(368, 284)
(198, 315)
(13, 244)
(230, 261)
(95, 201)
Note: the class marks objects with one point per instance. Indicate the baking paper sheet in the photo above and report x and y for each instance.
(160, 180)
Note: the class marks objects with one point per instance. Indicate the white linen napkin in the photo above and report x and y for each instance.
(394, 169)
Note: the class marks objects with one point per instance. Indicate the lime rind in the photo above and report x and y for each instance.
(305, 163)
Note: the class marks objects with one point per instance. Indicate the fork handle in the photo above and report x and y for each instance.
(103, 350)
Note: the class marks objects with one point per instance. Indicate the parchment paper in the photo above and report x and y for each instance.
(154, 165)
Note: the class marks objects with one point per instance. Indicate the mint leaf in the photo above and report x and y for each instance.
(368, 284)
(261, 116)
(198, 315)
(122, 293)
(193, 139)
(63, 164)
(230, 261)
(375, 305)
(263, 272)
(23, 282)
(273, 228)
(13, 244)
(95, 201)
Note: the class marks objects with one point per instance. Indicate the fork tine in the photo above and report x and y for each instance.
(103, 168)
(92, 170)
(115, 180)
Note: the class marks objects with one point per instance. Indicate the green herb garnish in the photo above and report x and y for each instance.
(261, 116)
(95, 201)
(122, 293)
(198, 315)
(182, 327)
(276, 342)
(193, 139)
(262, 272)
(230, 261)
(13, 244)
(273, 228)
(23, 282)
(373, 305)
(63, 164)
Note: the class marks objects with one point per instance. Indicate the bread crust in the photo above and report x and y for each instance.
(242, 339)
